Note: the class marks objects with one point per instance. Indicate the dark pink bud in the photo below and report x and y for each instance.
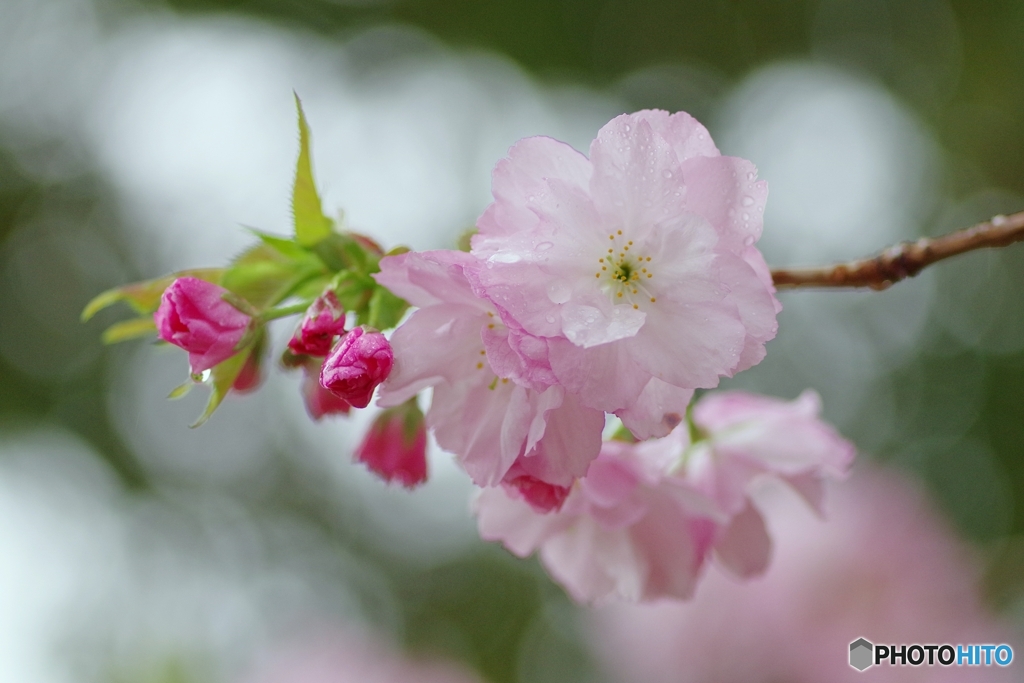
(324, 320)
(541, 496)
(194, 316)
(320, 401)
(360, 362)
(250, 376)
(396, 446)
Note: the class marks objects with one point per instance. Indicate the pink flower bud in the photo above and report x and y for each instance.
(360, 362)
(396, 446)
(320, 401)
(324, 320)
(194, 316)
(250, 376)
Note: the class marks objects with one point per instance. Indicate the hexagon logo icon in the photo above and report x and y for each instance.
(860, 654)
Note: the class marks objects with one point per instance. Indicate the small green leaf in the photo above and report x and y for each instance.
(144, 297)
(180, 390)
(385, 309)
(129, 329)
(311, 225)
(222, 376)
(284, 246)
(264, 277)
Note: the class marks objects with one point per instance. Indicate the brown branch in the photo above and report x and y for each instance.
(906, 259)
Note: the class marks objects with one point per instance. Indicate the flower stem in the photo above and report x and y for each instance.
(906, 259)
(284, 311)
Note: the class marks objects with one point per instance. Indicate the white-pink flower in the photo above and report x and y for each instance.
(645, 518)
(632, 274)
(626, 530)
(489, 421)
(883, 566)
(745, 439)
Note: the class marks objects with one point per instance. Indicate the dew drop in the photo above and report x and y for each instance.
(627, 128)
(667, 173)
(748, 201)
(559, 292)
(750, 175)
(746, 216)
(544, 246)
(550, 318)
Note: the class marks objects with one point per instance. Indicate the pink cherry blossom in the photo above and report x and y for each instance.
(491, 406)
(634, 265)
(626, 530)
(360, 362)
(194, 316)
(744, 438)
(644, 519)
(395, 447)
(324, 320)
(883, 566)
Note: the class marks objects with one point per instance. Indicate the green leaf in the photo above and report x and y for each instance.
(264, 277)
(180, 390)
(144, 297)
(385, 309)
(129, 329)
(284, 246)
(222, 376)
(311, 225)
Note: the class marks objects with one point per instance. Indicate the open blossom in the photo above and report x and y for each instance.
(194, 316)
(626, 530)
(491, 406)
(643, 521)
(323, 321)
(360, 362)
(395, 447)
(631, 274)
(745, 437)
(883, 566)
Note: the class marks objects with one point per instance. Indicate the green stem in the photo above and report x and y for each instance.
(284, 311)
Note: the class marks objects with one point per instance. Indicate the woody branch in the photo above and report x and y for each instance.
(906, 259)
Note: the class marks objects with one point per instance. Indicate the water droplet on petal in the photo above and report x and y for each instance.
(550, 318)
(750, 176)
(748, 201)
(667, 173)
(746, 216)
(559, 292)
(544, 246)
(627, 128)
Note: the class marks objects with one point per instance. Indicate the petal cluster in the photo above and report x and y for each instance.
(614, 283)
(647, 517)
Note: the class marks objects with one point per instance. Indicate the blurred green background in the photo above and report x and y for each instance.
(928, 376)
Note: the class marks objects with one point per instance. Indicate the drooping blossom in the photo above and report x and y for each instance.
(318, 400)
(647, 516)
(395, 447)
(882, 566)
(323, 321)
(632, 274)
(341, 655)
(193, 315)
(626, 530)
(360, 362)
(492, 406)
